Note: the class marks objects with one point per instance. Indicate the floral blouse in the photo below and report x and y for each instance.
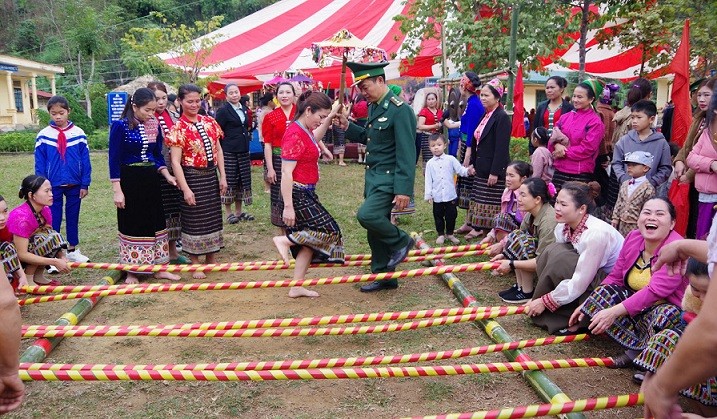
(186, 135)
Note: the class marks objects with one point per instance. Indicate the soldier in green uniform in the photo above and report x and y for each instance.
(390, 169)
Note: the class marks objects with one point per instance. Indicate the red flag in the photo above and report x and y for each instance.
(682, 115)
(518, 129)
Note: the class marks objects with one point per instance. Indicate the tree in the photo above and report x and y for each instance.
(188, 46)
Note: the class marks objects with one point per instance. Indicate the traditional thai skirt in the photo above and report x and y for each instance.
(143, 237)
(520, 245)
(171, 198)
(631, 332)
(561, 177)
(464, 184)
(277, 203)
(339, 140)
(202, 230)
(237, 169)
(425, 148)
(659, 348)
(46, 242)
(314, 227)
(485, 203)
(9, 259)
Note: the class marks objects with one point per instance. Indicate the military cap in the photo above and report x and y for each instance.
(362, 71)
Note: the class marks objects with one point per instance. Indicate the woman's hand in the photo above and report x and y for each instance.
(61, 265)
(492, 180)
(223, 185)
(271, 176)
(495, 249)
(189, 197)
(171, 180)
(658, 403)
(603, 319)
(577, 316)
(679, 168)
(534, 307)
(118, 198)
(289, 216)
(327, 154)
(83, 193)
(559, 151)
(504, 267)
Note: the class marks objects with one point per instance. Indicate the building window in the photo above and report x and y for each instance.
(18, 99)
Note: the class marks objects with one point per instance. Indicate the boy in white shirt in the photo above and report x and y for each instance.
(440, 187)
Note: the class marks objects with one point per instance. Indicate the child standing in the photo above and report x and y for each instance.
(63, 157)
(634, 192)
(642, 137)
(542, 158)
(440, 188)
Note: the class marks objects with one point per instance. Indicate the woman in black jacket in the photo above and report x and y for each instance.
(549, 111)
(489, 154)
(235, 120)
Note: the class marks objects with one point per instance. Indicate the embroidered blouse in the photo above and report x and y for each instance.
(598, 245)
(275, 124)
(143, 144)
(300, 146)
(198, 150)
(22, 221)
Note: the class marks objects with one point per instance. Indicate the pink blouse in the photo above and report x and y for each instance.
(22, 222)
(481, 126)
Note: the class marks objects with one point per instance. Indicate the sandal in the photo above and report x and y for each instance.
(232, 219)
(245, 217)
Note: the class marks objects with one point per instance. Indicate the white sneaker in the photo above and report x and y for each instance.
(51, 269)
(76, 256)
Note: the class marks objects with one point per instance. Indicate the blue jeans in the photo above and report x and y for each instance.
(72, 211)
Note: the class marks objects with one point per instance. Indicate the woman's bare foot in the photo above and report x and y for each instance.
(167, 275)
(296, 292)
(283, 245)
(132, 279)
(199, 275)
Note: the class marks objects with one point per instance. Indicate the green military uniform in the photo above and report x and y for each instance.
(390, 169)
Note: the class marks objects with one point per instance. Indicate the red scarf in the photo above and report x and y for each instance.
(62, 139)
(574, 235)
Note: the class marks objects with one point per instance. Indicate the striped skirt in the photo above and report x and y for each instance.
(315, 227)
(561, 177)
(464, 184)
(425, 148)
(9, 259)
(339, 140)
(485, 203)
(277, 203)
(202, 231)
(659, 348)
(237, 169)
(631, 332)
(171, 200)
(143, 237)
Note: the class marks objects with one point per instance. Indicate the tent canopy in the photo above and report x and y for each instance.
(279, 37)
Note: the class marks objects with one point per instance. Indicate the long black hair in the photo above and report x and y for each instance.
(141, 97)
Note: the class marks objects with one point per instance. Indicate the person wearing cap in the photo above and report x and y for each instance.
(633, 192)
(637, 300)
(390, 169)
(576, 138)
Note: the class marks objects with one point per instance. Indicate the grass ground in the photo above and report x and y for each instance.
(341, 192)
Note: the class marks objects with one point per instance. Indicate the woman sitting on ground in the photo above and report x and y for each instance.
(30, 223)
(634, 301)
(519, 251)
(510, 216)
(310, 230)
(585, 251)
(8, 255)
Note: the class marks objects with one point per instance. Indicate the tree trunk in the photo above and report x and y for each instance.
(583, 37)
(88, 99)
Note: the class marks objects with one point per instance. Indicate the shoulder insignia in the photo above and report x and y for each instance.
(382, 119)
(396, 101)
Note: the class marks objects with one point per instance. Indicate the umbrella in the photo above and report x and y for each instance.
(344, 46)
(275, 80)
(302, 79)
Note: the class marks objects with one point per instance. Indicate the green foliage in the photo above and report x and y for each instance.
(79, 117)
(98, 94)
(43, 117)
(24, 141)
(519, 149)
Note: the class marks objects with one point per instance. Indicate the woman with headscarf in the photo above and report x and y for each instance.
(576, 138)
(474, 111)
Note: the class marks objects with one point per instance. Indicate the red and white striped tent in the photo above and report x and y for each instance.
(278, 38)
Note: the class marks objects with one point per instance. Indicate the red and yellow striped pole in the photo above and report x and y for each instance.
(151, 288)
(320, 363)
(550, 409)
(109, 374)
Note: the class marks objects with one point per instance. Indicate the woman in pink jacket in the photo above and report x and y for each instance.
(703, 160)
(576, 138)
(634, 302)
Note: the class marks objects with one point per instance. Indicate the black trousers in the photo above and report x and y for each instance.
(445, 214)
